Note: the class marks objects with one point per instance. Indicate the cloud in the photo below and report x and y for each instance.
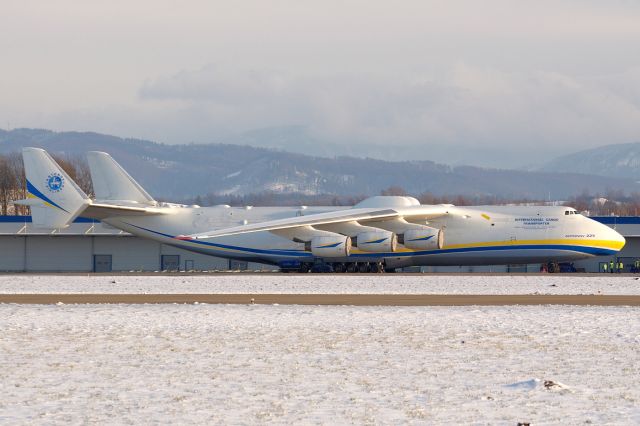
(462, 81)
(472, 107)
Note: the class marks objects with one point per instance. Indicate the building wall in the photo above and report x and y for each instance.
(12, 256)
(197, 261)
(58, 253)
(129, 253)
(74, 253)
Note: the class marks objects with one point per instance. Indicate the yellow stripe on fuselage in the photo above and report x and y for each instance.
(609, 244)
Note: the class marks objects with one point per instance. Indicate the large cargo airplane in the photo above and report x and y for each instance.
(375, 234)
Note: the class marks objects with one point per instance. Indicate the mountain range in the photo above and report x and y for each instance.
(181, 171)
(620, 160)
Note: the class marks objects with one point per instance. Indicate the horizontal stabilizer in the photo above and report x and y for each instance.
(104, 211)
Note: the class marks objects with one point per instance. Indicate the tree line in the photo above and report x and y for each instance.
(612, 202)
(13, 187)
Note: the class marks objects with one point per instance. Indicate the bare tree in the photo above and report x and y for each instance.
(393, 190)
(78, 170)
(7, 184)
(16, 167)
(83, 174)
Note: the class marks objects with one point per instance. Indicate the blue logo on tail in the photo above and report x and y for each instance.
(55, 182)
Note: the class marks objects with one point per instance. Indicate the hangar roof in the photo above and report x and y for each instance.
(628, 226)
(22, 225)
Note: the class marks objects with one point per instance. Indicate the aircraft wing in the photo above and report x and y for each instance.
(361, 216)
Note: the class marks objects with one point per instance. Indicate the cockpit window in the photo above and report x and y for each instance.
(567, 212)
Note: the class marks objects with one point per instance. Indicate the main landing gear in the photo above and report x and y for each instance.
(345, 267)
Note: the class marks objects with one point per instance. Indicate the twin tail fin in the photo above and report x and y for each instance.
(55, 199)
(113, 184)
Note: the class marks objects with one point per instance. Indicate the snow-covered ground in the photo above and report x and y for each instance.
(336, 284)
(303, 364)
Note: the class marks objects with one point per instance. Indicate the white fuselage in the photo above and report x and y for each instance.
(484, 235)
(374, 231)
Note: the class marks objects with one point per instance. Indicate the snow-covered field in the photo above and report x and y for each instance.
(326, 364)
(334, 284)
(247, 364)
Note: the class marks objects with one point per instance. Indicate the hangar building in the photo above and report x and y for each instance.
(91, 246)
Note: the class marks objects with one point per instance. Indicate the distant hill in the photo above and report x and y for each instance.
(179, 171)
(620, 161)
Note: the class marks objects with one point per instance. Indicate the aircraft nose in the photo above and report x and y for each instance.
(614, 236)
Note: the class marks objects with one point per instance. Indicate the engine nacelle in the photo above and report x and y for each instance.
(377, 241)
(423, 239)
(329, 246)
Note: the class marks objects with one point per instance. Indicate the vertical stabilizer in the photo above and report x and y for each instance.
(112, 183)
(54, 198)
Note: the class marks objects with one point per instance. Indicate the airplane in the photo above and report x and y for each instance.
(379, 233)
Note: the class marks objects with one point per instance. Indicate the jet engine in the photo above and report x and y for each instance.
(423, 239)
(377, 241)
(329, 246)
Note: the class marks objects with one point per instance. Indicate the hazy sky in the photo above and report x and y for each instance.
(487, 82)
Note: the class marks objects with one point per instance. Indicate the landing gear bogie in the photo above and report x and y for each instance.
(363, 267)
(338, 267)
(359, 267)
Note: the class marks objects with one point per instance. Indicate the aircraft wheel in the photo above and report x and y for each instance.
(338, 267)
(363, 268)
(351, 267)
(377, 268)
(304, 268)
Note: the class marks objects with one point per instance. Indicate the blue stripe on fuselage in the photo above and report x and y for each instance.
(595, 251)
(229, 247)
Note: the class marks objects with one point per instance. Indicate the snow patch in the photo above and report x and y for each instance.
(234, 174)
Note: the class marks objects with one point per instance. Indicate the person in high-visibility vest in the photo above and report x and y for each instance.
(620, 267)
(611, 266)
(636, 265)
(604, 267)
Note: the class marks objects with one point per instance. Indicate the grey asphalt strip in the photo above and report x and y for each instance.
(328, 299)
